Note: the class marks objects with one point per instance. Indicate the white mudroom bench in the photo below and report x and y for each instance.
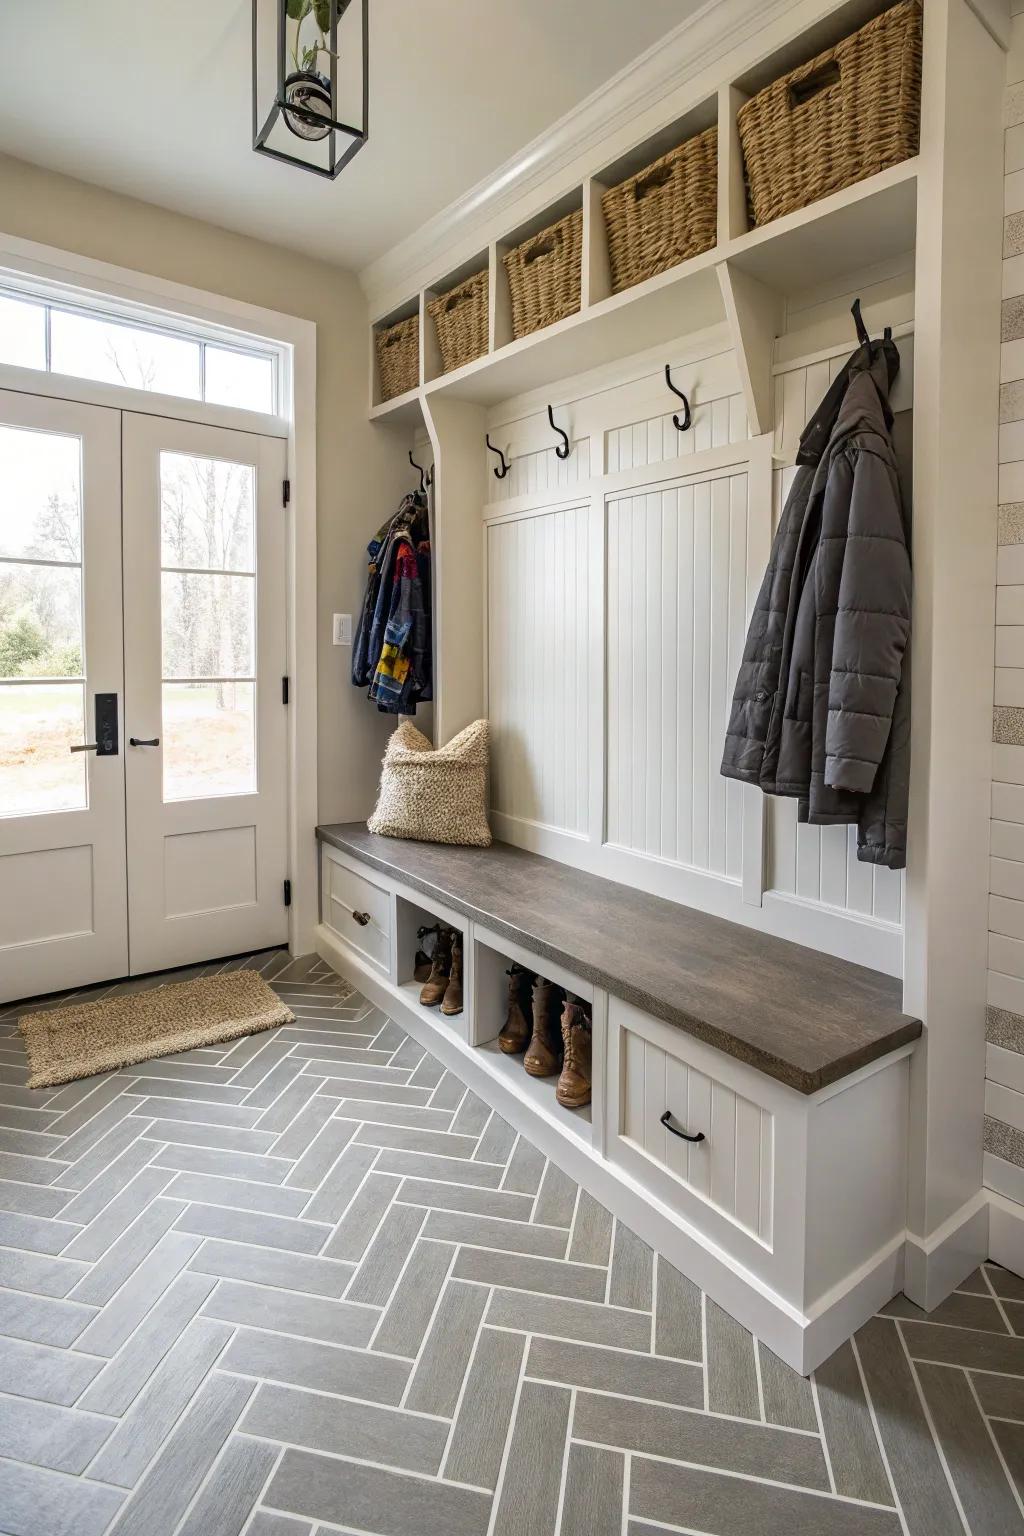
(791, 1065)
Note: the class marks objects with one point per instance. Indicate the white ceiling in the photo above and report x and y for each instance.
(154, 100)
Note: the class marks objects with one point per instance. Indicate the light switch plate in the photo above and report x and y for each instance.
(343, 629)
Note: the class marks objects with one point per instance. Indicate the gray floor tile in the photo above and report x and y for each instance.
(50, 1375)
(985, 1495)
(591, 1232)
(734, 1506)
(226, 1500)
(528, 1501)
(163, 1495)
(556, 1201)
(250, 1227)
(494, 1232)
(586, 1321)
(90, 1201)
(631, 1282)
(439, 1372)
(389, 1249)
(266, 1523)
(788, 1399)
(732, 1374)
(478, 1440)
(917, 1473)
(407, 1317)
(362, 1217)
(127, 1252)
(63, 1439)
(228, 1165)
(962, 1346)
(309, 1121)
(553, 1277)
(32, 1199)
(321, 1154)
(142, 1431)
(1000, 1396)
(477, 1202)
(616, 1370)
(451, 1170)
(237, 1194)
(959, 1310)
(37, 1234)
(310, 1317)
(496, 1142)
(115, 1218)
(127, 1373)
(526, 1169)
(39, 1272)
(34, 1502)
(42, 1319)
(130, 1305)
(372, 1499)
(849, 1433)
(279, 1114)
(335, 1193)
(273, 1267)
(97, 1160)
(443, 1142)
(316, 1366)
(358, 1430)
(224, 1137)
(592, 1504)
(755, 1450)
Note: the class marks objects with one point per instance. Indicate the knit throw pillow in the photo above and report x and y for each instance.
(434, 795)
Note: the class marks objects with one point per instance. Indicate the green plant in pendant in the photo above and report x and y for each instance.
(298, 11)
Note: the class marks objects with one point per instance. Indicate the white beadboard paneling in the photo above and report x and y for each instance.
(1008, 802)
(676, 623)
(821, 864)
(533, 473)
(728, 1168)
(1004, 1104)
(716, 423)
(538, 667)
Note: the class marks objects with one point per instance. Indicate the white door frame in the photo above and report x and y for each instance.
(82, 276)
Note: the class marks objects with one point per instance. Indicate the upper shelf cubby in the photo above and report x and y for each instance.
(560, 302)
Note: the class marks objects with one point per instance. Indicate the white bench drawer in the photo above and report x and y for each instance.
(357, 910)
(731, 1168)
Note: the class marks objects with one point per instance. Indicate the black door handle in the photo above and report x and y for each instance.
(683, 1135)
(137, 741)
(362, 918)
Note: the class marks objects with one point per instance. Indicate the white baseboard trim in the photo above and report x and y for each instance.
(802, 1340)
(936, 1265)
(1006, 1232)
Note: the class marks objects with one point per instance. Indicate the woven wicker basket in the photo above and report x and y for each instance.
(850, 112)
(460, 319)
(545, 275)
(398, 357)
(665, 213)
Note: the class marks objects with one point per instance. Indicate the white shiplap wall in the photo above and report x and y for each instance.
(677, 618)
(1004, 1089)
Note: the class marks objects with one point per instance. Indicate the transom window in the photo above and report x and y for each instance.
(137, 354)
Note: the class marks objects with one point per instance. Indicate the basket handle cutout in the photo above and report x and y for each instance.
(392, 340)
(543, 247)
(823, 79)
(454, 300)
(659, 178)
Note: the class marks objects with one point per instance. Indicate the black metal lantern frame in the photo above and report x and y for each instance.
(305, 101)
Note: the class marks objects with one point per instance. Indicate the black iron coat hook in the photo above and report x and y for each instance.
(426, 476)
(503, 469)
(563, 450)
(684, 425)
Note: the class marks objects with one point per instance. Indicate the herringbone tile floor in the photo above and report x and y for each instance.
(309, 1283)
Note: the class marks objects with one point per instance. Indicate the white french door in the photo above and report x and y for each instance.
(63, 899)
(142, 724)
(204, 617)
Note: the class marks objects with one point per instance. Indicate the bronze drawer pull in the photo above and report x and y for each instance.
(666, 1117)
(362, 918)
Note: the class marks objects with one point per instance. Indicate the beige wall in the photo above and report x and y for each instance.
(360, 471)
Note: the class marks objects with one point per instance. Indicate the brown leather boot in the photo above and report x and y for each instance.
(573, 1088)
(544, 1056)
(453, 992)
(515, 1036)
(421, 965)
(436, 984)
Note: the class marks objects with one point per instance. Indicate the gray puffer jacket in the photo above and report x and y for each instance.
(821, 709)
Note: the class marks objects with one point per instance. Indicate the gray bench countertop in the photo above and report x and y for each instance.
(800, 1016)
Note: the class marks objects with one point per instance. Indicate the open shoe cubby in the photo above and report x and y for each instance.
(492, 957)
(409, 918)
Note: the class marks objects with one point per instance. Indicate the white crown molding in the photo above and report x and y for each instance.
(473, 219)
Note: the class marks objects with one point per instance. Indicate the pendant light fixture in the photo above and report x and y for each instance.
(310, 70)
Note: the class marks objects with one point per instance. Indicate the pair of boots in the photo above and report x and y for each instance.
(441, 975)
(551, 1044)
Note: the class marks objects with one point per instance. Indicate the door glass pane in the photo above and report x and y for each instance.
(91, 348)
(208, 625)
(239, 379)
(40, 494)
(40, 620)
(209, 740)
(207, 513)
(22, 334)
(39, 723)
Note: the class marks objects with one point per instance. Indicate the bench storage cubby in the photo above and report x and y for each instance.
(751, 1129)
